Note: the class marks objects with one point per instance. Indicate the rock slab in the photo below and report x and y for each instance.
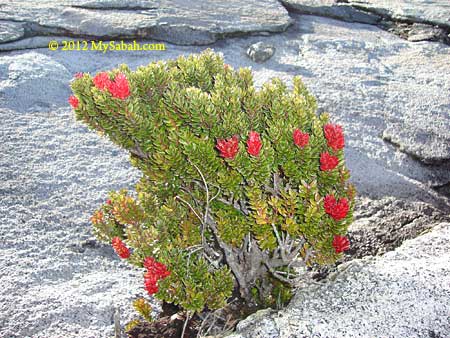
(260, 52)
(333, 9)
(403, 294)
(435, 12)
(194, 22)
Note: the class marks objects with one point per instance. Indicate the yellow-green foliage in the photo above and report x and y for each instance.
(176, 112)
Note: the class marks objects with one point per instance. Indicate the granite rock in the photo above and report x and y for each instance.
(22, 78)
(435, 12)
(415, 135)
(260, 52)
(401, 294)
(195, 22)
(372, 11)
(10, 31)
(422, 32)
(333, 9)
(381, 225)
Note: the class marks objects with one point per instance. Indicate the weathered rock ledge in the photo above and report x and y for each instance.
(402, 294)
(182, 22)
(415, 20)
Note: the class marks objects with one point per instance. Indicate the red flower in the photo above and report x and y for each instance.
(328, 162)
(149, 262)
(254, 143)
(228, 148)
(300, 139)
(336, 209)
(120, 248)
(108, 202)
(334, 135)
(101, 80)
(119, 88)
(155, 272)
(157, 269)
(151, 284)
(340, 243)
(73, 101)
(78, 75)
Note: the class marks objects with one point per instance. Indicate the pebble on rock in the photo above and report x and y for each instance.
(260, 52)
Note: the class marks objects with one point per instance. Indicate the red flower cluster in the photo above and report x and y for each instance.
(328, 162)
(254, 143)
(101, 80)
(118, 88)
(73, 101)
(300, 139)
(120, 248)
(336, 209)
(155, 272)
(340, 243)
(334, 135)
(228, 148)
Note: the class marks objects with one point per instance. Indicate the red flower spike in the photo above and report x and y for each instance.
(155, 272)
(328, 162)
(336, 209)
(149, 262)
(161, 270)
(340, 243)
(300, 139)
(101, 80)
(156, 269)
(120, 248)
(151, 285)
(119, 88)
(78, 75)
(108, 202)
(334, 135)
(228, 148)
(73, 101)
(254, 143)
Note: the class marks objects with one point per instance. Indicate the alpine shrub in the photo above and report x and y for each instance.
(239, 185)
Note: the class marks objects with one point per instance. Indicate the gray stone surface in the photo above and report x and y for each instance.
(384, 224)
(371, 11)
(22, 80)
(430, 142)
(403, 294)
(436, 12)
(422, 32)
(32, 42)
(333, 9)
(10, 31)
(177, 21)
(53, 173)
(260, 52)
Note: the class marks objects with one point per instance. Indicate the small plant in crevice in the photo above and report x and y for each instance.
(240, 187)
